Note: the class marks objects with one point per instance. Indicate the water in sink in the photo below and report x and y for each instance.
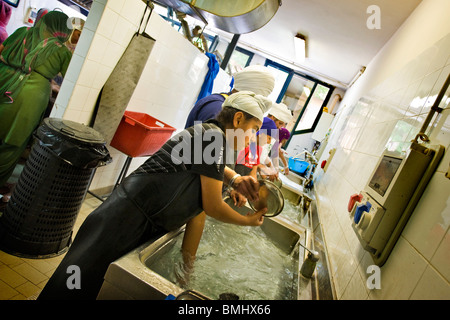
(295, 213)
(233, 259)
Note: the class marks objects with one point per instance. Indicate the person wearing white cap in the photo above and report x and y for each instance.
(172, 188)
(250, 102)
(77, 28)
(281, 115)
(242, 110)
(257, 79)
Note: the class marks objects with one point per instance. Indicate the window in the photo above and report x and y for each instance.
(311, 112)
(297, 96)
(240, 58)
(305, 96)
(281, 76)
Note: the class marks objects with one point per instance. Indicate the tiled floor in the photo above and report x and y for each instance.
(23, 279)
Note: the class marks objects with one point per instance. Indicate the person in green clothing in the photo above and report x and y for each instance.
(29, 59)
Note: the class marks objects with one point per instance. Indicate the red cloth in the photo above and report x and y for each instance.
(248, 159)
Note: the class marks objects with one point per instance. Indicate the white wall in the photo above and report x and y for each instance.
(397, 90)
(167, 90)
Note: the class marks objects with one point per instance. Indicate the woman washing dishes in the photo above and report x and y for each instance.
(255, 157)
(283, 137)
(281, 115)
(257, 79)
(170, 188)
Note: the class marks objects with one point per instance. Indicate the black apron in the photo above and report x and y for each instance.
(142, 208)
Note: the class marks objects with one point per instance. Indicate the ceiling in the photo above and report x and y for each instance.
(339, 43)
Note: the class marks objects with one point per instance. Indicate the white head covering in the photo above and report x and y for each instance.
(281, 112)
(257, 79)
(247, 101)
(76, 23)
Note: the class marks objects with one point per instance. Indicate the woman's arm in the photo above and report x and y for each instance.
(214, 206)
(283, 159)
(254, 172)
(265, 172)
(191, 239)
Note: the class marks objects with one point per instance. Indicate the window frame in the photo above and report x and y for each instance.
(317, 82)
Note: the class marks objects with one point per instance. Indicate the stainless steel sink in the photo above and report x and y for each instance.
(294, 193)
(130, 277)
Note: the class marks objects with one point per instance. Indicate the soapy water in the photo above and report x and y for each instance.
(233, 259)
(295, 213)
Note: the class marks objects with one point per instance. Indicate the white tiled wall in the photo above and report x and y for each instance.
(390, 114)
(168, 87)
(82, 76)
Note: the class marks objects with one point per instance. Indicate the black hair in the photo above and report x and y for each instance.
(226, 116)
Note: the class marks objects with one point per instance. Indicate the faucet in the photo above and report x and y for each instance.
(309, 157)
(309, 264)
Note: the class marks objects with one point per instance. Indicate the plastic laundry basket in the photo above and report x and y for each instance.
(44, 205)
(139, 134)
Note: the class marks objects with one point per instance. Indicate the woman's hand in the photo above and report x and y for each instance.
(267, 172)
(214, 206)
(239, 199)
(183, 270)
(256, 219)
(248, 186)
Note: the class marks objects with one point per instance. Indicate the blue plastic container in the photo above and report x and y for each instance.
(297, 165)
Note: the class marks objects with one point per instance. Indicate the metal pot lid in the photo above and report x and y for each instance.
(74, 131)
(270, 197)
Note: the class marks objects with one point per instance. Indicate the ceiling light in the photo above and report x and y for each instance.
(300, 47)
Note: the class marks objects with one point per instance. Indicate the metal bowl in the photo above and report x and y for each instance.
(270, 197)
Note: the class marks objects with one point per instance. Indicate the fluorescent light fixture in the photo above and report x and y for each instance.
(300, 47)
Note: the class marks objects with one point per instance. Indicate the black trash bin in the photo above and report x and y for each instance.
(39, 218)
